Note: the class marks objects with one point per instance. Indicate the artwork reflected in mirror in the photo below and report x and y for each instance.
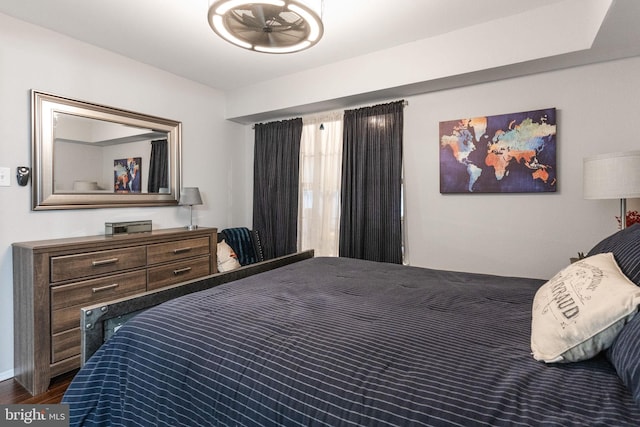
(96, 156)
(126, 175)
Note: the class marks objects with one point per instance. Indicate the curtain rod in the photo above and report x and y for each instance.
(405, 103)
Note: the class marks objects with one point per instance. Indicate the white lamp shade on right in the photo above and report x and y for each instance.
(612, 176)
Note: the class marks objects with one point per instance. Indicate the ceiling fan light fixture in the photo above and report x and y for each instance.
(291, 49)
(223, 7)
(222, 32)
(268, 26)
(314, 24)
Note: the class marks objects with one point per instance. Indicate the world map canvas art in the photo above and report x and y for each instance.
(507, 153)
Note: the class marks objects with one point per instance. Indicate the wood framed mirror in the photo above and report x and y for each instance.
(88, 155)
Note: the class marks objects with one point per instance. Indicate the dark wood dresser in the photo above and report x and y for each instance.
(53, 279)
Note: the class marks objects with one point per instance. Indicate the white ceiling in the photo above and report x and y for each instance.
(174, 35)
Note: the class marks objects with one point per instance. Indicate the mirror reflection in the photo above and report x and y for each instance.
(95, 156)
(88, 155)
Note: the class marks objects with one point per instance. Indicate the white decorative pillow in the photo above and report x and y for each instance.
(227, 259)
(581, 310)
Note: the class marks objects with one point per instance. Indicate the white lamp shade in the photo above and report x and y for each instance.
(190, 196)
(612, 176)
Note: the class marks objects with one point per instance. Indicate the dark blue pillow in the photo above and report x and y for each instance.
(624, 355)
(625, 245)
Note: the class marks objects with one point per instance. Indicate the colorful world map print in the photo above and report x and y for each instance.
(507, 153)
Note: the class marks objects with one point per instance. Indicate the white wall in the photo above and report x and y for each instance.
(34, 58)
(529, 235)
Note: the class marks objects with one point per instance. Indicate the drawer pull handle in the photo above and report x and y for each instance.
(181, 250)
(105, 288)
(104, 262)
(181, 271)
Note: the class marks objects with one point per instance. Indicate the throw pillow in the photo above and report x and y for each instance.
(581, 310)
(227, 259)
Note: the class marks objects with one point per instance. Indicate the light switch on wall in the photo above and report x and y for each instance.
(5, 177)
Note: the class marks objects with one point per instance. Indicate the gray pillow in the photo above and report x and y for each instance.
(624, 355)
(625, 246)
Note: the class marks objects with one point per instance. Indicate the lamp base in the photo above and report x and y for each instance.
(191, 225)
(623, 213)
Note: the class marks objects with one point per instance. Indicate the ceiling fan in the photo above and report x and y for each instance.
(269, 26)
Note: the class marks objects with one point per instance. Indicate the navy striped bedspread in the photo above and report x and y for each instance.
(342, 342)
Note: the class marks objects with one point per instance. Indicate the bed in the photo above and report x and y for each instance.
(344, 342)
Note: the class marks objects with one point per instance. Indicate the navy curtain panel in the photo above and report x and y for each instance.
(158, 166)
(275, 185)
(370, 216)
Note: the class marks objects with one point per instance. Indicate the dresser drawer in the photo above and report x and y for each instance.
(95, 263)
(66, 300)
(65, 344)
(177, 272)
(180, 249)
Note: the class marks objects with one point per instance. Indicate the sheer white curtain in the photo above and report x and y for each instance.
(320, 176)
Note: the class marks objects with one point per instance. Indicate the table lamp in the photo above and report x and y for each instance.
(188, 197)
(613, 176)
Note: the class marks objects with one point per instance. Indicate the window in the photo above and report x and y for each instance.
(374, 224)
(320, 176)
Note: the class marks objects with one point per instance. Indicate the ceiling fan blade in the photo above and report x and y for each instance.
(258, 13)
(277, 38)
(251, 23)
(290, 20)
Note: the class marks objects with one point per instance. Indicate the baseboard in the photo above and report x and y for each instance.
(6, 375)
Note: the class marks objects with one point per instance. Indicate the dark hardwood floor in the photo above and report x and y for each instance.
(12, 392)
